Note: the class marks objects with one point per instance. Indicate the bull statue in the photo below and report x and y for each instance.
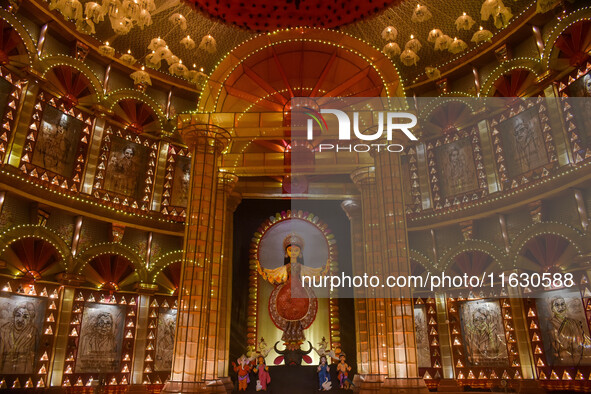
(292, 355)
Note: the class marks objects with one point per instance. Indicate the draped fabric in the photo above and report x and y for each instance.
(70, 83)
(473, 263)
(514, 83)
(12, 49)
(545, 250)
(575, 42)
(36, 256)
(135, 114)
(110, 270)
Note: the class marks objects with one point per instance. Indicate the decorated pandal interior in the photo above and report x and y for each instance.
(151, 220)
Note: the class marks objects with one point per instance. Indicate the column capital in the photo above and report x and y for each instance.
(233, 201)
(202, 136)
(227, 181)
(364, 176)
(352, 208)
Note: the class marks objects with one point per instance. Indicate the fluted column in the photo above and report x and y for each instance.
(194, 364)
(353, 210)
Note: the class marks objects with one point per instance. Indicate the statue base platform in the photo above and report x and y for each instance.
(221, 385)
(381, 384)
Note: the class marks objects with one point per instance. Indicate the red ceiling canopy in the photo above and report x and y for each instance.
(266, 15)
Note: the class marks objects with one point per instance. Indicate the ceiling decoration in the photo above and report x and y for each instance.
(198, 34)
(268, 15)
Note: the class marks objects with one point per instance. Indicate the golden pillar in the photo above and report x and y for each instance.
(391, 347)
(195, 366)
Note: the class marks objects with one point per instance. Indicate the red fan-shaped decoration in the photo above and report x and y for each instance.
(473, 263)
(266, 15)
(136, 115)
(546, 253)
(71, 86)
(416, 268)
(12, 48)
(449, 117)
(574, 44)
(514, 83)
(170, 277)
(34, 257)
(111, 271)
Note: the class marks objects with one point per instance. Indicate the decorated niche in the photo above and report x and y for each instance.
(412, 188)
(160, 340)
(56, 145)
(101, 338)
(558, 323)
(456, 169)
(126, 168)
(28, 324)
(575, 93)
(276, 313)
(484, 346)
(10, 93)
(523, 145)
(177, 182)
(427, 339)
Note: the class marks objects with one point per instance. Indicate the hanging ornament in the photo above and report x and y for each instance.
(197, 77)
(432, 73)
(413, 44)
(156, 43)
(421, 14)
(543, 6)
(153, 61)
(172, 59)
(389, 33)
(457, 46)
(163, 52)
(85, 26)
(464, 22)
(482, 35)
(409, 58)
(141, 77)
(502, 16)
(442, 43)
(144, 19)
(208, 44)
(128, 58)
(94, 11)
(178, 69)
(188, 43)
(121, 25)
(70, 9)
(106, 50)
(434, 35)
(391, 49)
(488, 8)
(178, 20)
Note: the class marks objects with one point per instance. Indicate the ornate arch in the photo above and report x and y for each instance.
(121, 95)
(23, 34)
(532, 65)
(473, 245)
(550, 53)
(34, 231)
(581, 242)
(371, 57)
(114, 249)
(163, 262)
(48, 63)
(422, 260)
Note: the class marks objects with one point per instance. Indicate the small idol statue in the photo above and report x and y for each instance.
(263, 371)
(242, 369)
(324, 375)
(343, 369)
